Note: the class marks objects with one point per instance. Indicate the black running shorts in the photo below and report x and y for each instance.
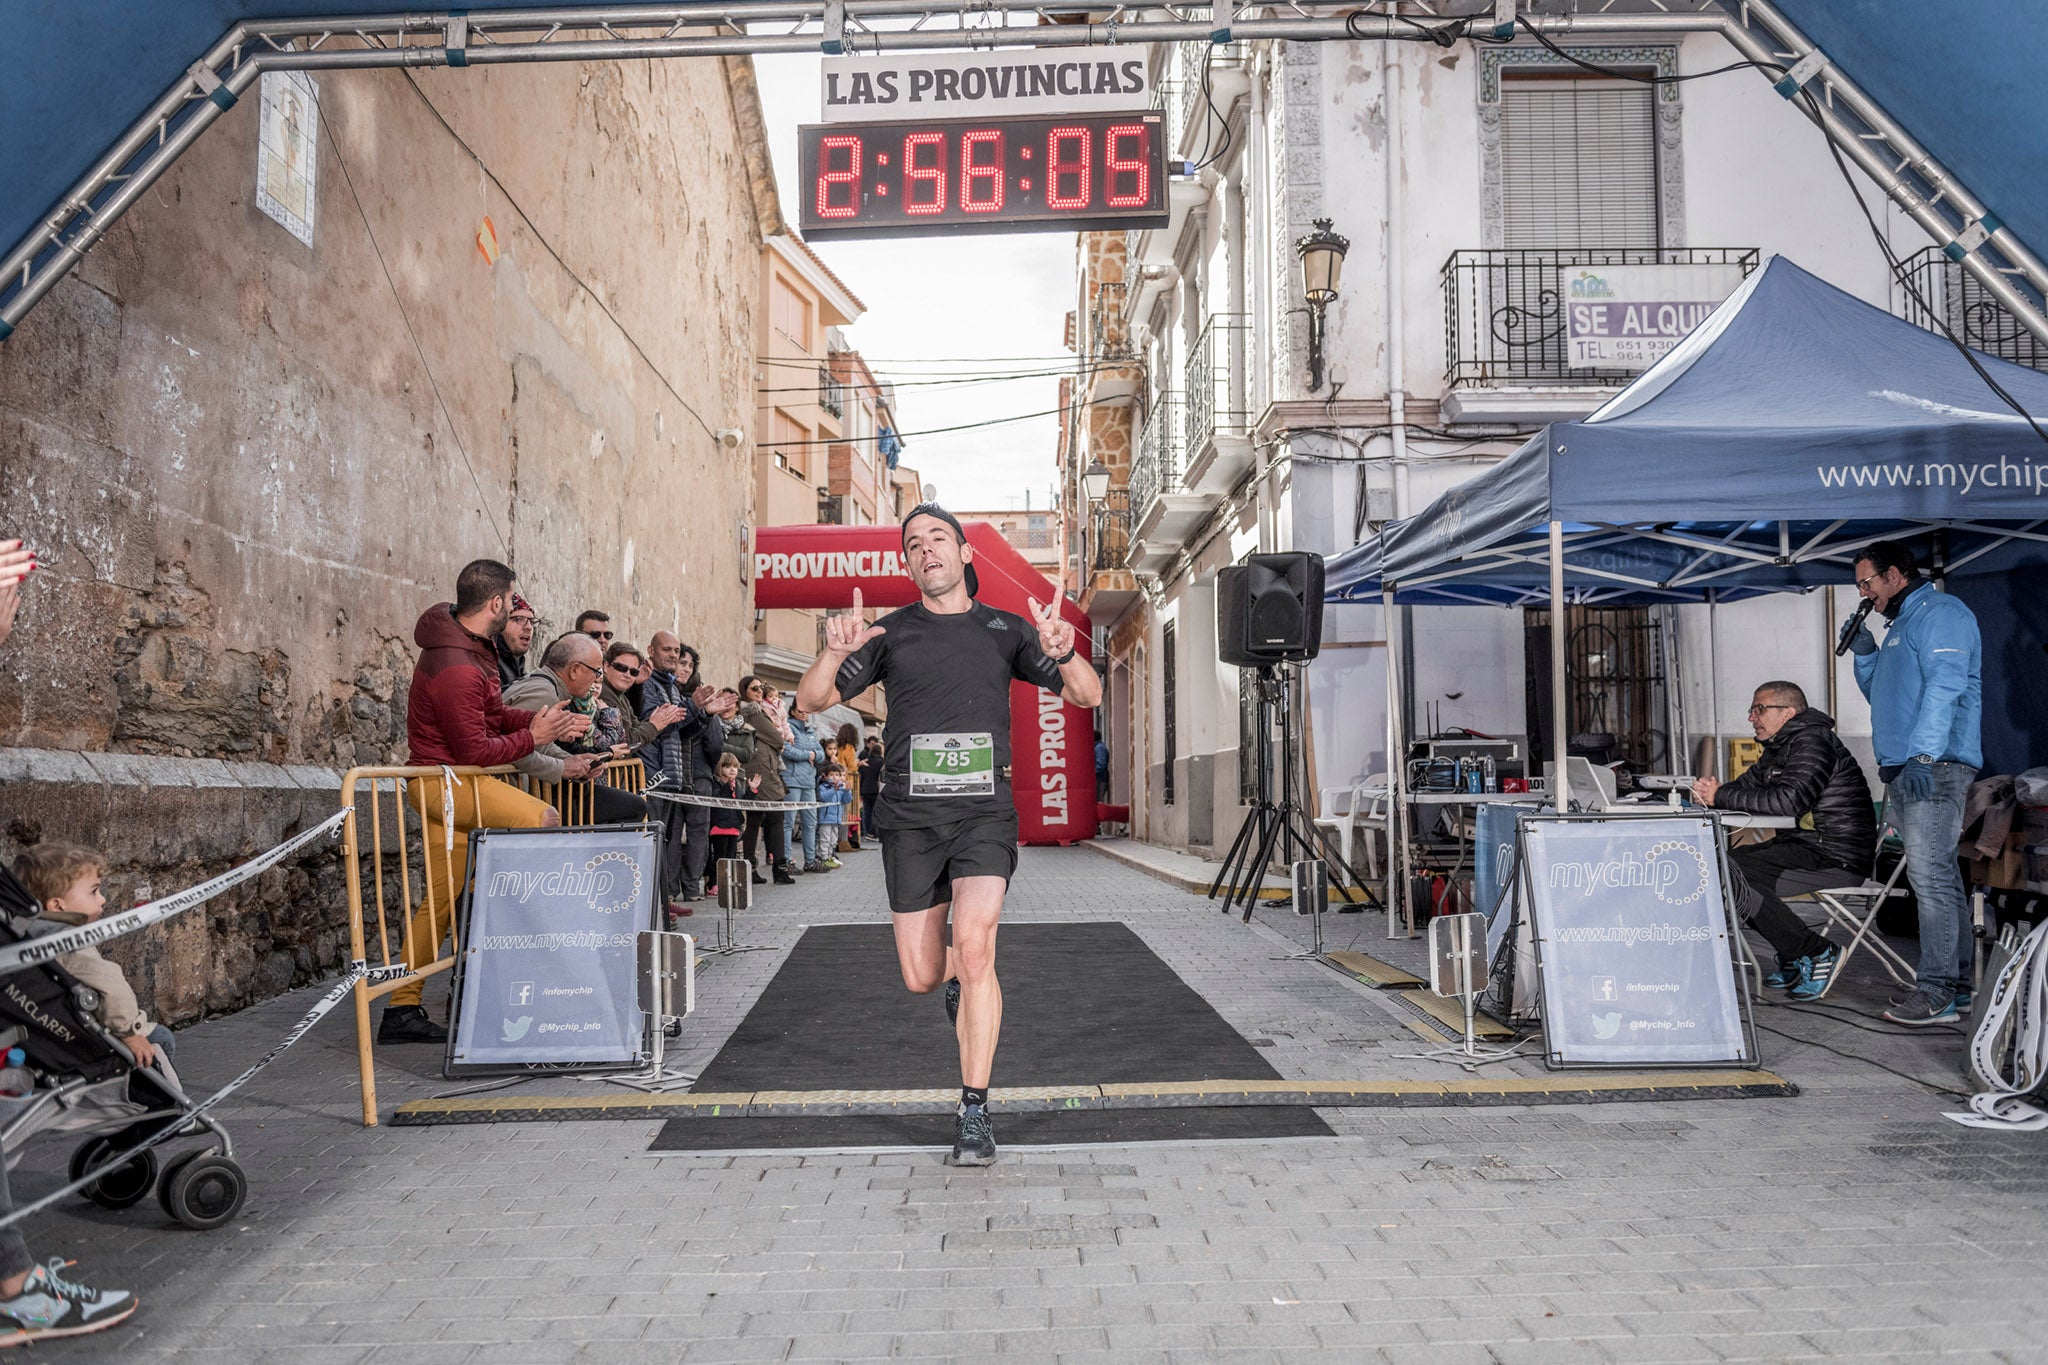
(919, 865)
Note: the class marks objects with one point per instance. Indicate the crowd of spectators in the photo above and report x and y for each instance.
(590, 699)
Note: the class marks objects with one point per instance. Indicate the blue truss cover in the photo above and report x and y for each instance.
(1796, 422)
(1963, 77)
(81, 72)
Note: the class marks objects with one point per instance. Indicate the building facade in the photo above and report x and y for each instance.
(803, 399)
(1471, 182)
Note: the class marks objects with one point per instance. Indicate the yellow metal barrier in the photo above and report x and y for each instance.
(397, 845)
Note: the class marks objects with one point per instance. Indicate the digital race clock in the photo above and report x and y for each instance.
(1069, 173)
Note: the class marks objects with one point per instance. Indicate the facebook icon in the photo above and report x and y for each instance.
(522, 993)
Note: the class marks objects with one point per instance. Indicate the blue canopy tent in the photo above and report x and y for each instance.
(1792, 427)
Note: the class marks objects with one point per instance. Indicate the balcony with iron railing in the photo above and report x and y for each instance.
(1504, 328)
(1156, 470)
(1109, 531)
(831, 393)
(1218, 408)
(1164, 511)
(1936, 293)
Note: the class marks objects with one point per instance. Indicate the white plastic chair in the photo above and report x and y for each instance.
(1341, 808)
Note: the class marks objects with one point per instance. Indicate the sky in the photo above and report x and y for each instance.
(947, 306)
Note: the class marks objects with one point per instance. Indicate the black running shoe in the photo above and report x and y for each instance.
(974, 1138)
(953, 1000)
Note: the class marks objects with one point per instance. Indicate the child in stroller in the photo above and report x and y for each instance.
(91, 1080)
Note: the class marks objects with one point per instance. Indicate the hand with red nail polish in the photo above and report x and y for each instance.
(15, 562)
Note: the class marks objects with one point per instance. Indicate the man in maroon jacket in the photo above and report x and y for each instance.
(457, 718)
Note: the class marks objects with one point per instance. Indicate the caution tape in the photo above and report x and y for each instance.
(358, 971)
(2009, 1051)
(692, 799)
(50, 946)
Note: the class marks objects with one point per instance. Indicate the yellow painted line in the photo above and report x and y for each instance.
(1560, 1083)
(1451, 1015)
(918, 1097)
(1375, 972)
(485, 1104)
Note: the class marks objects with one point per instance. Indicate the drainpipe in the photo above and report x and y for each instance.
(1397, 398)
(1258, 244)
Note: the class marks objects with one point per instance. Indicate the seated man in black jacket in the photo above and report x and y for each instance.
(1804, 773)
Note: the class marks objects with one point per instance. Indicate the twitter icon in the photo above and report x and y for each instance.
(516, 1029)
(1604, 1025)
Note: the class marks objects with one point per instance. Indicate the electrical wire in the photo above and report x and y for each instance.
(567, 269)
(1852, 1057)
(1207, 161)
(970, 380)
(940, 359)
(483, 500)
(928, 431)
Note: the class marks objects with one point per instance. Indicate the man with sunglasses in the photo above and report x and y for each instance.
(597, 625)
(1926, 690)
(946, 817)
(570, 668)
(1806, 774)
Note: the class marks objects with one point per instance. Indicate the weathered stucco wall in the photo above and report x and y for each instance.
(248, 465)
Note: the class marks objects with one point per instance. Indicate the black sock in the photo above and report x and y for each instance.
(972, 1095)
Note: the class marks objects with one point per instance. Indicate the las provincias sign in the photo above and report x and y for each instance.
(974, 85)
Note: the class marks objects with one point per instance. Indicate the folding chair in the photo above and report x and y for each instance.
(1367, 801)
(1853, 910)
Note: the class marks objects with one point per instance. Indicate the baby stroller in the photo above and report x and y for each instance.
(87, 1083)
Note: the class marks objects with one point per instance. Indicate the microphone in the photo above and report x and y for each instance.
(1851, 626)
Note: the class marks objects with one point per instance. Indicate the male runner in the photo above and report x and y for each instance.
(945, 816)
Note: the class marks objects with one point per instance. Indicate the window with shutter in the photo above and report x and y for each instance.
(1578, 162)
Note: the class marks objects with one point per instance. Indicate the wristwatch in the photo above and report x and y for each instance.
(1061, 662)
(1923, 758)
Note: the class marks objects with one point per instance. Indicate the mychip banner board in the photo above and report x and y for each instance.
(547, 975)
(1633, 941)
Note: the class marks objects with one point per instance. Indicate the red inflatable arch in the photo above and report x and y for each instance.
(1052, 744)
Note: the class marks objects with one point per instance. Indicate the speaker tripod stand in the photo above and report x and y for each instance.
(1276, 828)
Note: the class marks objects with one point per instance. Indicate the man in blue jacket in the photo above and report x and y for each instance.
(1926, 690)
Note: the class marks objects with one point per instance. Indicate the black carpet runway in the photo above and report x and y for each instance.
(1083, 1004)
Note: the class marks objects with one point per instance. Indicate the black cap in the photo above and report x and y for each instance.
(932, 509)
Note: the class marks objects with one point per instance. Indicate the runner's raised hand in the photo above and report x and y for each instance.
(1055, 635)
(847, 633)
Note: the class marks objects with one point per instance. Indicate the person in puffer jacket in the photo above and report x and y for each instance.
(1805, 774)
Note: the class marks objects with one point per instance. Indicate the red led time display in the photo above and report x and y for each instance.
(988, 175)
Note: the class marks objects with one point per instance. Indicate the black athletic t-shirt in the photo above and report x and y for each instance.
(946, 676)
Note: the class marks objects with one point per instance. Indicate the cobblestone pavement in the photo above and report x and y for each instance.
(1851, 1222)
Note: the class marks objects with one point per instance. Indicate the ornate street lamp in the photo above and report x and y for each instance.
(1322, 265)
(1095, 481)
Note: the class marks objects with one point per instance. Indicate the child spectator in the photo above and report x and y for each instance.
(846, 749)
(832, 815)
(66, 879)
(727, 824)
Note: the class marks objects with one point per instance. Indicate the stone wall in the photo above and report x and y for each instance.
(249, 465)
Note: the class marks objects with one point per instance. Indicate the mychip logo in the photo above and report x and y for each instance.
(608, 883)
(1674, 871)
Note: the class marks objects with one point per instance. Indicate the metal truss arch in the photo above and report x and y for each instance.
(1958, 221)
